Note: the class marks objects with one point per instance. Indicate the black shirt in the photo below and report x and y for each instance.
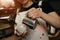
(47, 6)
(50, 6)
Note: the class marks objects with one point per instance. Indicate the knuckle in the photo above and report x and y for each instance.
(33, 8)
(33, 17)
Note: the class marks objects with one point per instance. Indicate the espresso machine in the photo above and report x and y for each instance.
(7, 17)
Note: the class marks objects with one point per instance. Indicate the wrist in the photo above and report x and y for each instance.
(42, 14)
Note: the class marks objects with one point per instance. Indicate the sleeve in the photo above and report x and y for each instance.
(56, 6)
(46, 7)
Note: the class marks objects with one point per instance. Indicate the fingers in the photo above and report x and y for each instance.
(24, 33)
(15, 31)
(19, 33)
(33, 13)
(31, 9)
(30, 12)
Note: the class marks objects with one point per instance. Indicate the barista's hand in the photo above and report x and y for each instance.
(34, 13)
(19, 33)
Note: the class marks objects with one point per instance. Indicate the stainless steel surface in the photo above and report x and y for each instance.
(32, 23)
(29, 22)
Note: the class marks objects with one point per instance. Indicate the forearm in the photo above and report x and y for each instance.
(52, 20)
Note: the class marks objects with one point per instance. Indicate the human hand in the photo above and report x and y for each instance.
(34, 13)
(19, 33)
